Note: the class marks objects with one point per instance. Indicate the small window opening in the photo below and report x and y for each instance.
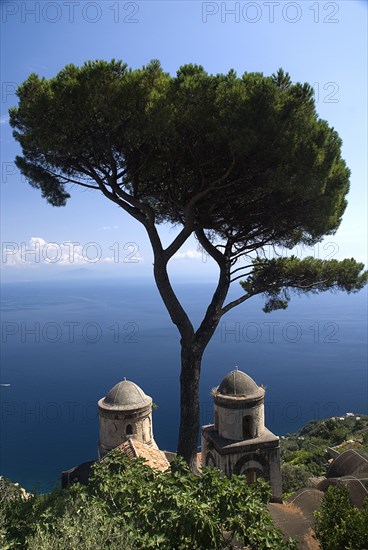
(247, 427)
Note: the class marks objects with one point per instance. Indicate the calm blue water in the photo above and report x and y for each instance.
(64, 345)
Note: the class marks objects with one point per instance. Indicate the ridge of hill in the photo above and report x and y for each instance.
(307, 452)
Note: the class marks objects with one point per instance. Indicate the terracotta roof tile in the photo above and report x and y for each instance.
(127, 449)
(152, 457)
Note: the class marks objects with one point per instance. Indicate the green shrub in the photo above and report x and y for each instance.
(338, 524)
(180, 510)
(294, 477)
(128, 505)
(84, 528)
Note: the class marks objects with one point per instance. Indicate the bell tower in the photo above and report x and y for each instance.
(238, 442)
(125, 412)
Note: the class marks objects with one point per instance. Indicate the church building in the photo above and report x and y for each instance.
(238, 442)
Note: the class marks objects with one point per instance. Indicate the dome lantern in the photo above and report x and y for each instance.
(125, 411)
(125, 396)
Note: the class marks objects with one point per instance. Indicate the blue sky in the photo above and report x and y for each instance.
(323, 43)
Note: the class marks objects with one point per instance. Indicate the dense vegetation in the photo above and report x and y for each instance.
(128, 505)
(339, 525)
(304, 453)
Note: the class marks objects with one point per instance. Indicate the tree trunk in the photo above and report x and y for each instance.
(193, 345)
(189, 405)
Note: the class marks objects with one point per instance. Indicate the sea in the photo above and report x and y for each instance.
(66, 343)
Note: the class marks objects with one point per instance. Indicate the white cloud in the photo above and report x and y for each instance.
(109, 227)
(4, 119)
(38, 251)
(189, 255)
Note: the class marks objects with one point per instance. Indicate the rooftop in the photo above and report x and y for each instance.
(125, 396)
(238, 384)
(153, 457)
(227, 446)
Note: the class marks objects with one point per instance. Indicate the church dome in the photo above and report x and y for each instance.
(238, 384)
(125, 396)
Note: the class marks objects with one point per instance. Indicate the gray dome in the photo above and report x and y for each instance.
(239, 384)
(126, 395)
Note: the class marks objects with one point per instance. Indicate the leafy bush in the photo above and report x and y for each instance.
(301, 457)
(180, 510)
(333, 432)
(84, 528)
(128, 505)
(338, 524)
(301, 464)
(294, 477)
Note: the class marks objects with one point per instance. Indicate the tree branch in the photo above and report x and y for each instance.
(239, 269)
(214, 311)
(179, 240)
(69, 180)
(142, 207)
(134, 212)
(235, 303)
(241, 276)
(209, 247)
(176, 311)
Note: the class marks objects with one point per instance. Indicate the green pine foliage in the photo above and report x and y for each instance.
(128, 505)
(244, 156)
(278, 278)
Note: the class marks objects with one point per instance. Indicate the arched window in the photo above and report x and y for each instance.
(247, 427)
(216, 421)
(129, 429)
(251, 476)
(210, 461)
(146, 433)
(149, 428)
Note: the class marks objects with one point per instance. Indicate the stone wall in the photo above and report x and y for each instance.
(230, 421)
(115, 427)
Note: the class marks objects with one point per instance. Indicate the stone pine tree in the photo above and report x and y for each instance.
(241, 163)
